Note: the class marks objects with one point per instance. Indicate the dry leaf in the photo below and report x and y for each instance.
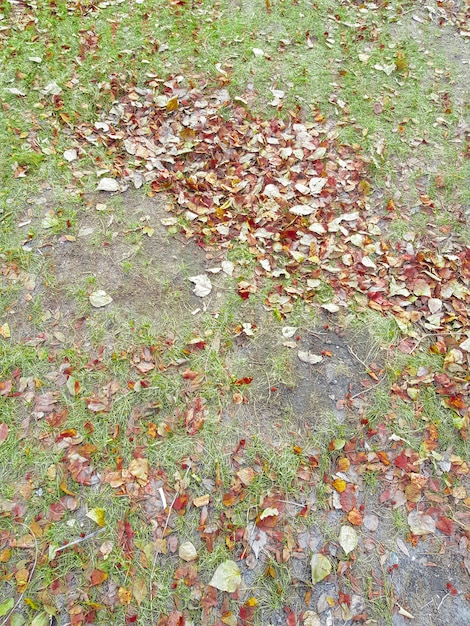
(100, 298)
(227, 577)
(321, 567)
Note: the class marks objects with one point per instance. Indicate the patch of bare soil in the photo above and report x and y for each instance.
(304, 397)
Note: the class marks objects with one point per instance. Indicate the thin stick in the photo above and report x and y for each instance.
(352, 353)
(74, 543)
(157, 552)
(440, 603)
(356, 395)
(30, 576)
(428, 335)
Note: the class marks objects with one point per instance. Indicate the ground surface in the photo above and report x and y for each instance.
(235, 333)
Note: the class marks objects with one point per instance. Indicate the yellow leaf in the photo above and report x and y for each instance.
(5, 331)
(172, 104)
(97, 515)
(124, 595)
(339, 485)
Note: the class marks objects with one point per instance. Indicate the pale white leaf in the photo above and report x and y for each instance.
(228, 267)
(330, 307)
(303, 189)
(347, 539)
(368, 262)
(187, 551)
(405, 613)
(401, 544)
(269, 512)
(288, 331)
(421, 524)
(108, 184)
(317, 228)
(434, 305)
(15, 91)
(226, 577)
(70, 155)
(258, 52)
(308, 357)
(100, 298)
(302, 209)
(311, 619)
(316, 185)
(203, 285)
(465, 345)
(51, 89)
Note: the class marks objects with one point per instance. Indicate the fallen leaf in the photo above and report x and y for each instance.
(227, 577)
(3, 432)
(347, 539)
(405, 613)
(321, 567)
(187, 551)
(139, 468)
(98, 577)
(108, 184)
(100, 298)
(70, 155)
(6, 606)
(203, 285)
(97, 515)
(308, 357)
(420, 523)
(5, 331)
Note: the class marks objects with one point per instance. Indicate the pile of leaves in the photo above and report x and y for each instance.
(300, 202)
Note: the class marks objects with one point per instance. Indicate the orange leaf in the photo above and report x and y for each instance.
(343, 464)
(384, 458)
(355, 517)
(98, 577)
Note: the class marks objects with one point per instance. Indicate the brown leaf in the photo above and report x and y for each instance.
(98, 577)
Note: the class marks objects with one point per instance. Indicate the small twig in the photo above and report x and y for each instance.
(36, 551)
(428, 335)
(356, 395)
(74, 543)
(317, 335)
(157, 552)
(440, 603)
(352, 353)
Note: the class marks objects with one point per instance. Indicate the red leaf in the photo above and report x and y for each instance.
(291, 617)
(180, 503)
(243, 381)
(3, 432)
(348, 498)
(189, 374)
(446, 526)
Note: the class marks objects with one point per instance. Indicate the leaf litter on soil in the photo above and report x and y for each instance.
(299, 201)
